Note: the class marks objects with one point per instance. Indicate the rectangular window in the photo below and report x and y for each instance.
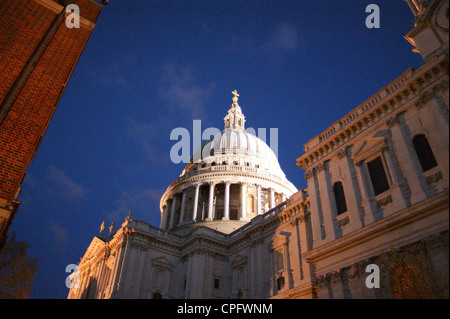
(216, 283)
(378, 176)
(280, 283)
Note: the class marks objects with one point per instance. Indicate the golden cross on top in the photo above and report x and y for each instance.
(235, 98)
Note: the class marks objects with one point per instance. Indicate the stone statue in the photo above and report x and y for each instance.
(102, 228)
(112, 230)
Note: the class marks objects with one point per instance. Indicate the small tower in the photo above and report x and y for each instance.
(429, 36)
(235, 119)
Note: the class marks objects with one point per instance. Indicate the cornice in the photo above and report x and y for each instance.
(413, 90)
(377, 229)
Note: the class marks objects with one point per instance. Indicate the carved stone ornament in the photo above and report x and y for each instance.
(343, 221)
(308, 174)
(320, 167)
(434, 178)
(384, 201)
(341, 153)
(392, 121)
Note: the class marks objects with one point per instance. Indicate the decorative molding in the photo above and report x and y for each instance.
(343, 221)
(384, 201)
(320, 167)
(308, 174)
(392, 121)
(434, 178)
(341, 153)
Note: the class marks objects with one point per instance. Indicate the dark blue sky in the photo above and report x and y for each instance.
(152, 66)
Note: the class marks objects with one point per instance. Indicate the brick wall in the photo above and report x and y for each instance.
(23, 24)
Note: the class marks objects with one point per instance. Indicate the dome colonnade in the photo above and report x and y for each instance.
(233, 177)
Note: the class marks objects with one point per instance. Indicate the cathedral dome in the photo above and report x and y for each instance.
(238, 147)
(230, 179)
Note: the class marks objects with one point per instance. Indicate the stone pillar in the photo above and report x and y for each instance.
(398, 197)
(272, 198)
(227, 201)
(258, 200)
(183, 206)
(408, 159)
(211, 201)
(368, 201)
(195, 208)
(303, 244)
(172, 211)
(436, 123)
(243, 201)
(164, 216)
(350, 190)
(327, 202)
(316, 212)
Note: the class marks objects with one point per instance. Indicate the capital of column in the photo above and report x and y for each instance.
(308, 174)
(392, 121)
(320, 167)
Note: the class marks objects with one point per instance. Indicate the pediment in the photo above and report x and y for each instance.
(370, 146)
(96, 245)
(239, 260)
(162, 262)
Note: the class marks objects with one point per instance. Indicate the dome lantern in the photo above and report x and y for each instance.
(235, 119)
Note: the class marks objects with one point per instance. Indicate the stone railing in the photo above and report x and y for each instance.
(227, 168)
(203, 230)
(360, 110)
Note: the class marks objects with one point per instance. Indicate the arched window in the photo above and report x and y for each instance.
(157, 295)
(424, 152)
(339, 197)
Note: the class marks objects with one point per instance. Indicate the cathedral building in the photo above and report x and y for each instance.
(372, 222)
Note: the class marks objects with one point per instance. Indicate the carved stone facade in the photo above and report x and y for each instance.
(377, 195)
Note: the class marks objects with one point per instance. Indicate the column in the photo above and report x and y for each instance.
(272, 198)
(183, 205)
(327, 201)
(258, 199)
(243, 201)
(211, 201)
(227, 201)
(408, 159)
(350, 190)
(172, 212)
(368, 202)
(316, 209)
(397, 196)
(194, 213)
(435, 122)
(164, 217)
